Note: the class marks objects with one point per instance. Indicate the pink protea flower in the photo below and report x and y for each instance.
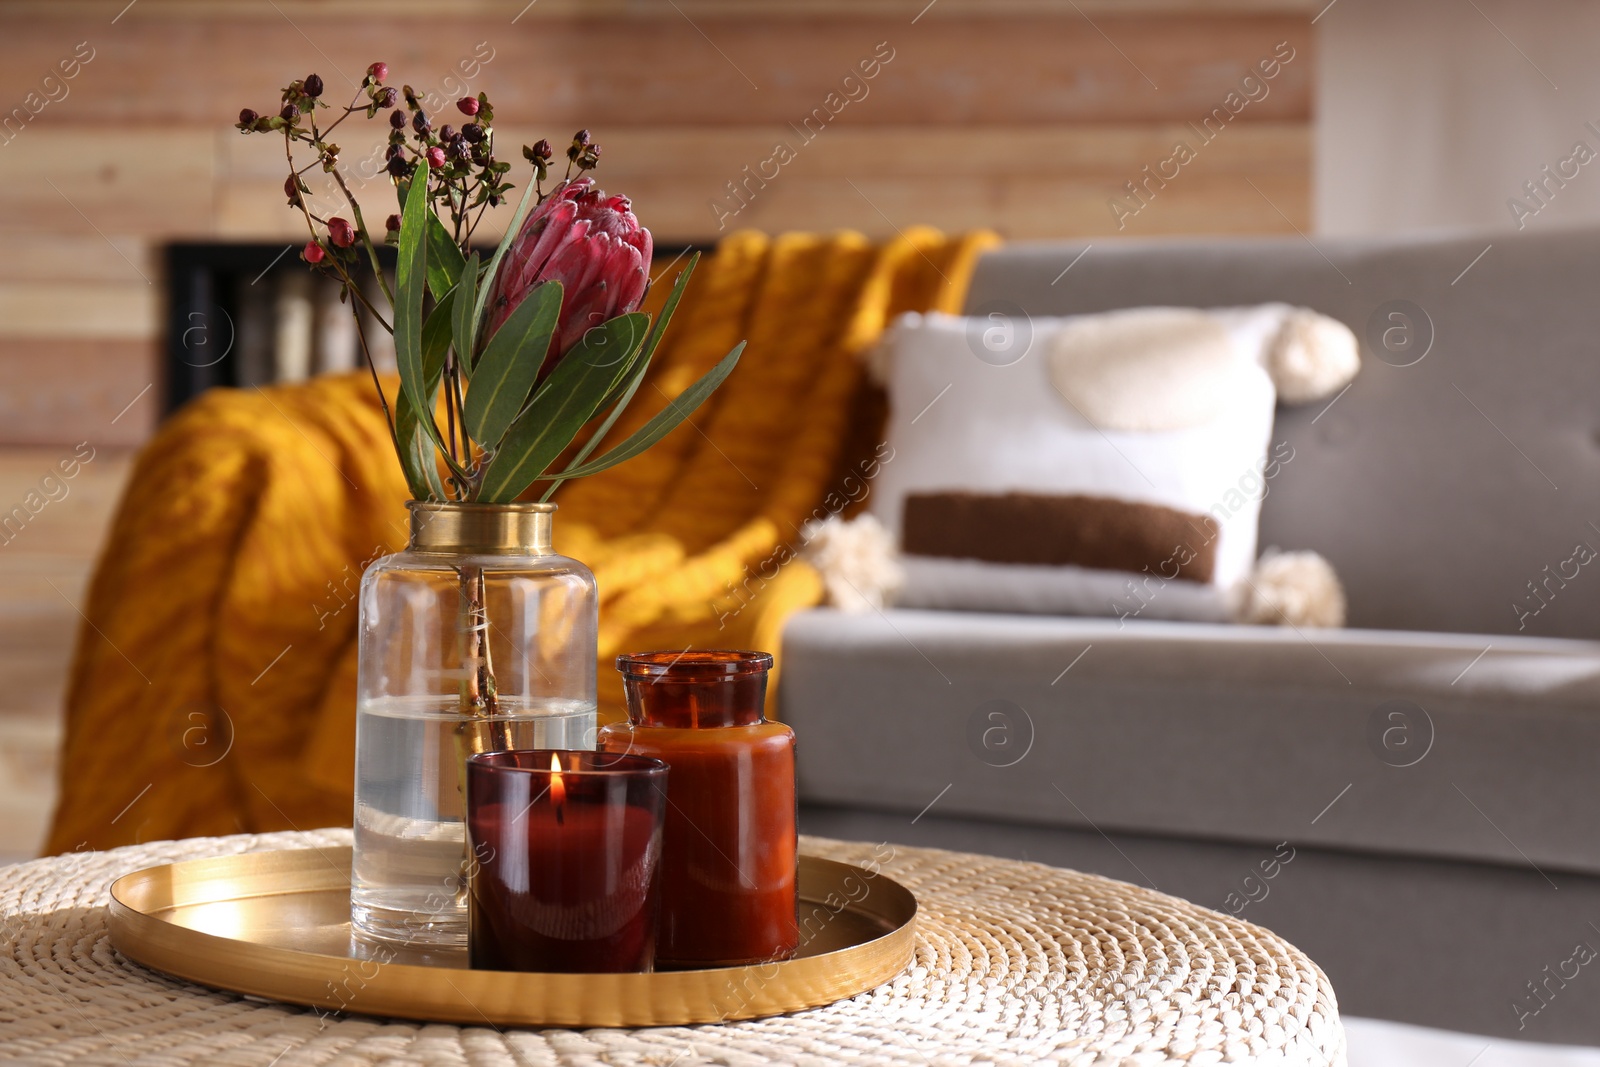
(592, 244)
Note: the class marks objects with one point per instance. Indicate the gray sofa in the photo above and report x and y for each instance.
(1435, 767)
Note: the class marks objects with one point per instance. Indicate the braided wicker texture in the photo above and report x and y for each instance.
(1016, 963)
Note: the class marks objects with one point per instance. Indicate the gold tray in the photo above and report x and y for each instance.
(277, 925)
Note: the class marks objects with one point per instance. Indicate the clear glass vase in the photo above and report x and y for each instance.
(476, 638)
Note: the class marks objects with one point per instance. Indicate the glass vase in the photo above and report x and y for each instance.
(477, 638)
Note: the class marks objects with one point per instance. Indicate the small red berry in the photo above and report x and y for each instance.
(341, 233)
(312, 252)
(468, 105)
(313, 85)
(388, 98)
(248, 117)
(397, 120)
(392, 223)
(378, 72)
(289, 113)
(435, 157)
(291, 189)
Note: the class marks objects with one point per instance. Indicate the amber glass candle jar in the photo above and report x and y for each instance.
(730, 848)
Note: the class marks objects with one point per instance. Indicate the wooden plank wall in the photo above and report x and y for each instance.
(1029, 117)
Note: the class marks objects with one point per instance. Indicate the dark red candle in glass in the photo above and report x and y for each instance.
(730, 850)
(567, 849)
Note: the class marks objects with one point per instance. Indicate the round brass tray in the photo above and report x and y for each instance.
(277, 925)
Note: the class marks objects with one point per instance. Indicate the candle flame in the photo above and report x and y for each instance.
(558, 789)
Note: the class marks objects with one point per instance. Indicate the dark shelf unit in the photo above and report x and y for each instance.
(202, 313)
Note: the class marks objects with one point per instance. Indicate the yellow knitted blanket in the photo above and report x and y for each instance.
(213, 686)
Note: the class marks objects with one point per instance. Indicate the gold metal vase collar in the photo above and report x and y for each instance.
(455, 527)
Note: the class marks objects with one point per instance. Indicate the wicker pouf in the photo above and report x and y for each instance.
(1016, 963)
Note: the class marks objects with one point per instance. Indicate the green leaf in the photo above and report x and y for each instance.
(645, 354)
(665, 421)
(436, 342)
(509, 366)
(444, 258)
(412, 441)
(462, 331)
(416, 453)
(627, 383)
(414, 352)
(411, 279)
(568, 399)
(499, 254)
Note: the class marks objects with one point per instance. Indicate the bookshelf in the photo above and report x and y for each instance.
(251, 314)
(247, 314)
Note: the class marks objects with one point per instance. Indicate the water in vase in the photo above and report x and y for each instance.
(410, 842)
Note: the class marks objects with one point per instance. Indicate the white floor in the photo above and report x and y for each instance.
(1374, 1043)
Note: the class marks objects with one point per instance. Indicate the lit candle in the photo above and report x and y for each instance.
(568, 860)
(558, 791)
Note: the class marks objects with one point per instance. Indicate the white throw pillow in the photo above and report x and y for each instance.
(1109, 464)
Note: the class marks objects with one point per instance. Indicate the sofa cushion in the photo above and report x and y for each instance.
(1419, 744)
(1096, 465)
(1465, 458)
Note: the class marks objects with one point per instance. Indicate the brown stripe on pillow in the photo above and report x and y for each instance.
(1083, 531)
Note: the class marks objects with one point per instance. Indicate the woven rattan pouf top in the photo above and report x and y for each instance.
(1016, 963)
